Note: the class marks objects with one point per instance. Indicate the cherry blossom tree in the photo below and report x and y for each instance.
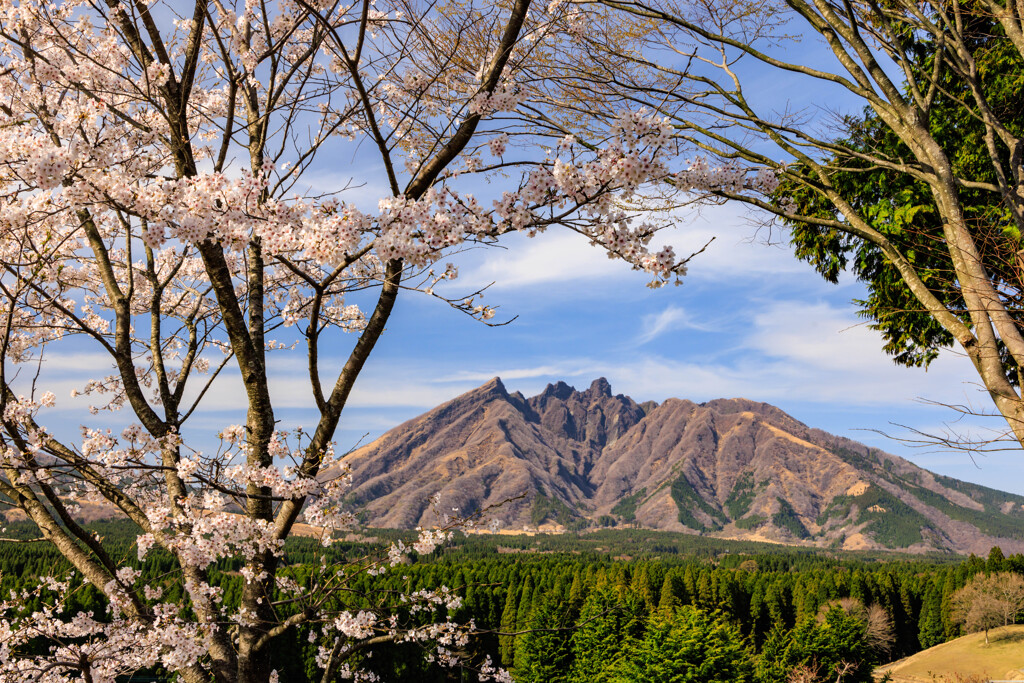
(157, 209)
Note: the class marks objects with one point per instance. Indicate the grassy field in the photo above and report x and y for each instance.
(965, 660)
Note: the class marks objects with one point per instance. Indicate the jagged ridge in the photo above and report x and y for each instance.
(730, 467)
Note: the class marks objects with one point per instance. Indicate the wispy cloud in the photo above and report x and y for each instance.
(670, 319)
(552, 258)
(734, 243)
(792, 351)
(560, 370)
(734, 246)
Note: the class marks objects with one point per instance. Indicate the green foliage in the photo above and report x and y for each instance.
(544, 653)
(891, 521)
(751, 522)
(931, 631)
(904, 210)
(546, 508)
(786, 518)
(838, 507)
(609, 621)
(686, 645)
(626, 508)
(996, 560)
(506, 642)
(773, 666)
(688, 501)
(741, 496)
(523, 613)
(989, 520)
(580, 610)
(825, 648)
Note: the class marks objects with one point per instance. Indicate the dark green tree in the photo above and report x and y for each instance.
(996, 560)
(930, 631)
(773, 665)
(544, 653)
(523, 613)
(825, 648)
(606, 626)
(506, 641)
(686, 645)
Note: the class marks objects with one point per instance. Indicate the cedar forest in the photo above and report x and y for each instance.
(603, 606)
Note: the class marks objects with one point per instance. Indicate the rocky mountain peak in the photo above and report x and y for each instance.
(732, 468)
(559, 391)
(594, 416)
(493, 386)
(600, 388)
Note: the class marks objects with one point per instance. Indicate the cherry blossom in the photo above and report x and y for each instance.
(163, 209)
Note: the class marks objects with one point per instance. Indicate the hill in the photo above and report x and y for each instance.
(732, 468)
(967, 658)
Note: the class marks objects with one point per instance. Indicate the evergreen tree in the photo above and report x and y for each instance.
(643, 587)
(706, 598)
(949, 627)
(996, 561)
(825, 647)
(606, 626)
(773, 666)
(671, 589)
(544, 653)
(523, 619)
(930, 629)
(687, 645)
(578, 590)
(506, 642)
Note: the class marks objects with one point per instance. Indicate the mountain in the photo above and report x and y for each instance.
(731, 468)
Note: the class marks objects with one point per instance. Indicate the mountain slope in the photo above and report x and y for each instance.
(731, 468)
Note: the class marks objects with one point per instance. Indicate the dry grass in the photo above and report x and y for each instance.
(965, 660)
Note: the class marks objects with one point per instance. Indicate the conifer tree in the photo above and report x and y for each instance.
(950, 627)
(506, 641)
(544, 653)
(686, 646)
(930, 630)
(523, 619)
(670, 590)
(605, 628)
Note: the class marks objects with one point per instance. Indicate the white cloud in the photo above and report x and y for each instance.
(373, 389)
(419, 394)
(561, 370)
(556, 256)
(791, 352)
(83, 362)
(734, 246)
(670, 319)
(816, 334)
(833, 347)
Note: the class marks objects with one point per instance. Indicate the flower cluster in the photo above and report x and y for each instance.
(733, 178)
(148, 206)
(506, 97)
(111, 647)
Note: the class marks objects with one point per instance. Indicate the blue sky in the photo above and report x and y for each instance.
(750, 320)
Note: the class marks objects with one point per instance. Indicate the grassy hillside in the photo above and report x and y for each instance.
(965, 660)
